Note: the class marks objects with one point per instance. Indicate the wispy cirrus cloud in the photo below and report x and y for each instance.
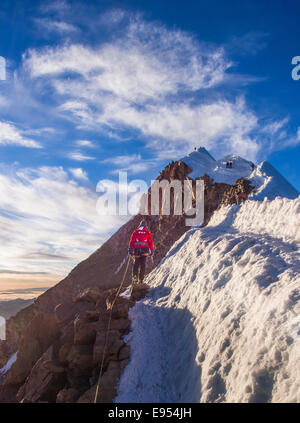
(147, 62)
(79, 156)
(48, 26)
(273, 128)
(152, 80)
(11, 135)
(120, 160)
(148, 78)
(133, 163)
(56, 7)
(279, 135)
(248, 44)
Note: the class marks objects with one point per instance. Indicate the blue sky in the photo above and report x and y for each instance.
(97, 86)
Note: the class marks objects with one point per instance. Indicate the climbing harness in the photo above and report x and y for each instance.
(107, 331)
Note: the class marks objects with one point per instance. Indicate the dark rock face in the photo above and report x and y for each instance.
(139, 291)
(62, 363)
(213, 195)
(16, 326)
(46, 378)
(72, 316)
(231, 195)
(69, 395)
(42, 331)
(5, 352)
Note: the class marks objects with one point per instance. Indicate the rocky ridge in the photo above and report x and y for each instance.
(60, 355)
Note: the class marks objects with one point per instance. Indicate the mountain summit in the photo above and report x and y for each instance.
(267, 181)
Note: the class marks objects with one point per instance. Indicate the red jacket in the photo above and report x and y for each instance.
(243, 195)
(141, 237)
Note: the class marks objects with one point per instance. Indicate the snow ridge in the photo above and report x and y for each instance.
(221, 321)
(271, 184)
(268, 182)
(279, 218)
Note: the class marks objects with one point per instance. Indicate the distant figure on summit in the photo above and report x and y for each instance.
(140, 247)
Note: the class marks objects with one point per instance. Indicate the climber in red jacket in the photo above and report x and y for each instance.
(242, 197)
(140, 247)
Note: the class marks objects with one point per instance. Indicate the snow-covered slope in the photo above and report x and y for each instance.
(222, 320)
(201, 162)
(270, 183)
(267, 181)
(279, 218)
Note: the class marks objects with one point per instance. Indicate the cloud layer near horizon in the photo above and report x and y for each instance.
(48, 222)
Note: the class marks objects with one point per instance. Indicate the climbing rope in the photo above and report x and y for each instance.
(107, 331)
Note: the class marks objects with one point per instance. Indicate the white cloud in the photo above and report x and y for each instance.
(11, 135)
(133, 163)
(78, 156)
(120, 160)
(48, 25)
(129, 81)
(279, 136)
(40, 131)
(112, 17)
(151, 62)
(79, 173)
(45, 214)
(58, 7)
(85, 143)
(148, 78)
(78, 109)
(273, 127)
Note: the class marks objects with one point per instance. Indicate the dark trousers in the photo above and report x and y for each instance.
(139, 267)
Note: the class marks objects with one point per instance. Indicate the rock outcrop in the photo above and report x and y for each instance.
(231, 194)
(38, 336)
(5, 352)
(60, 355)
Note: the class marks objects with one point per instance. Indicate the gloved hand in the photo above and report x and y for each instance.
(130, 251)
